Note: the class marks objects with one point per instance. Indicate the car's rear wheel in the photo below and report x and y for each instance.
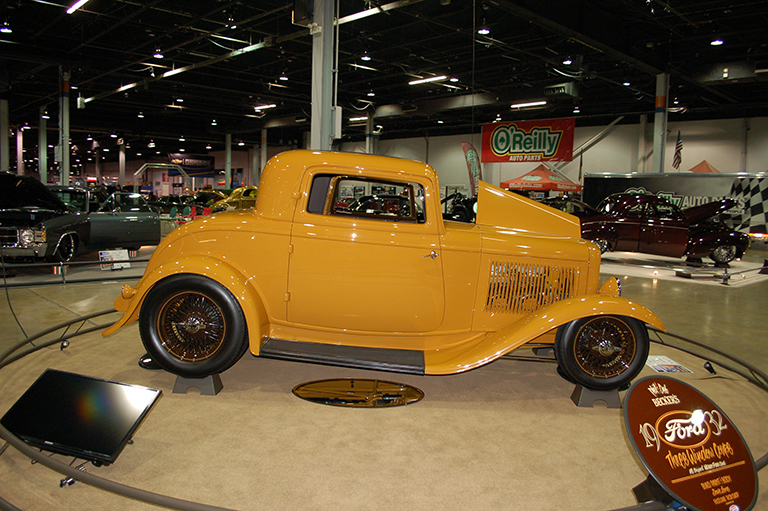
(602, 352)
(724, 254)
(192, 326)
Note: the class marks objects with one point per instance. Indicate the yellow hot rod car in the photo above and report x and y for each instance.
(433, 296)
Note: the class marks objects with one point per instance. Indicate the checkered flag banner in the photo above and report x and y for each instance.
(752, 195)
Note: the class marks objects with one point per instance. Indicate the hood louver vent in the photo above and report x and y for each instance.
(524, 288)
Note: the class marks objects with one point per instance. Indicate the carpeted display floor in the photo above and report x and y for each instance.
(506, 436)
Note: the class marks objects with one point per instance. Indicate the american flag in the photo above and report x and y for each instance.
(677, 159)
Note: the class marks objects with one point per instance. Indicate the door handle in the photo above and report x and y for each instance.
(432, 254)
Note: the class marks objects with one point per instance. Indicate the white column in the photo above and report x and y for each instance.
(322, 75)
(64, 125)
(20, 151)
(660, 122)
(5, 148)
(228, 160)
(42, 147)
(121, 164)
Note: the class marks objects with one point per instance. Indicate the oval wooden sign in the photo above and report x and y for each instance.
(689, 446)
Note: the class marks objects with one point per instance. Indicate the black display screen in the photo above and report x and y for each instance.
(79, 416)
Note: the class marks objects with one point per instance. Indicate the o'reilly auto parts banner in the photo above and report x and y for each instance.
(528, 141)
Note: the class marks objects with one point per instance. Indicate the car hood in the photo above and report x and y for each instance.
(24, 192)
(500, 208)
(698, 214)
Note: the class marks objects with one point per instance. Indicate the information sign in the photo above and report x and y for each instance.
(689, 446)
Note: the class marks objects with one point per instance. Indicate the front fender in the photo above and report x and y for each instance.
(487, 348)
(130, 300)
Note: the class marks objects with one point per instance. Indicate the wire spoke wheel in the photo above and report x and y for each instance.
(192, 326)
(724, 254)
(605, 347)
(602, 352)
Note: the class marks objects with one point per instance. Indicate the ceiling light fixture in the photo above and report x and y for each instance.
(45, 115)
(365, 57)
(141, 115)
(158, 54)
(717, 42)
(241, 143)
(483, 30)
(213, 122)
(182, 139)
(530, 104)
(259, 108)
(5, 28)
(567, 61)
(75, 6)
(283, 78)
(427, 80)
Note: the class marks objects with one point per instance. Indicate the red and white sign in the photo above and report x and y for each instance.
(528, 141)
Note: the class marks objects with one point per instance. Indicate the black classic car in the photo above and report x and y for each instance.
(36, 224)
(653, 225)
(122, 220)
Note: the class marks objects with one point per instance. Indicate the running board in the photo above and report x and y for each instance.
(380, 359)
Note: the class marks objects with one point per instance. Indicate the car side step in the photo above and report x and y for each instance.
(380, 359)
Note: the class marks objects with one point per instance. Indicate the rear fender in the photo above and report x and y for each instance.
(131, 299)
(487, 348)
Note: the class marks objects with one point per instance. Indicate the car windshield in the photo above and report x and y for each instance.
(74, 199)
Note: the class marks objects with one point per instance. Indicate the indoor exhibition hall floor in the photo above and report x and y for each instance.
(505, 436)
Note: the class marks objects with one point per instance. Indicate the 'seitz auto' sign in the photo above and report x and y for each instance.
(689, 446)
(528, 141)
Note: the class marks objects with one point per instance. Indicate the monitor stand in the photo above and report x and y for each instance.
(209, 385)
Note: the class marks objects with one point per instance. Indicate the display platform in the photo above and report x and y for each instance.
(742, 272)
(506, 433)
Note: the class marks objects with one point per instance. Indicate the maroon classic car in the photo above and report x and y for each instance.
(653, 225)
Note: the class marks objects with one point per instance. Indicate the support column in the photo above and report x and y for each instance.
(228, 160)
(20, 151)
(263, 161)
(42, 147)
(660, 122)
(642, 144)
(322, 75)
(369, 135)
(5, 148)
(64, 125)
(121, 164)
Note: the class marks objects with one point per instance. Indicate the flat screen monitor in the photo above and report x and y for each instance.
(80, 416)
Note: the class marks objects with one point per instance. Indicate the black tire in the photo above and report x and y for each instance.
(65, 250)
(724, 254)
(602, 352)
(192, 326)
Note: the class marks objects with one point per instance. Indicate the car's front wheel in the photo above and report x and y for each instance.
(602, 352)
(192, 326)
(65, 249)
(724, 254)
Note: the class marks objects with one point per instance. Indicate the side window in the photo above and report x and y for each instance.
(635, 211)
(666, 212)
(366, 198)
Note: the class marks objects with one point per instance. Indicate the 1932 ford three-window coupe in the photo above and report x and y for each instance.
(437, 296)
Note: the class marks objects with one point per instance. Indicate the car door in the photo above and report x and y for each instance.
(376, 270)
(124, 220)
(627, 223)
(664, 230)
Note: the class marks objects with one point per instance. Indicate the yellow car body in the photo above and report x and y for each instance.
(394, 290)
(240, 198)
